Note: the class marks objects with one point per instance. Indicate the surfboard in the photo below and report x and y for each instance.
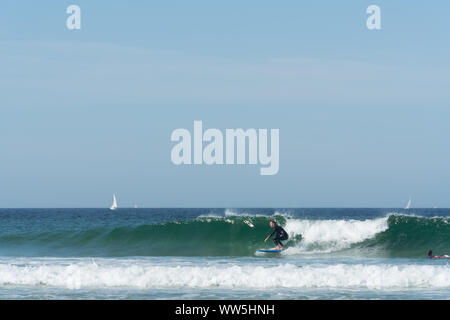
(269, 250)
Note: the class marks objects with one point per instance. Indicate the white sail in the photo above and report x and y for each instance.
(114, 204)
(135, 206)
(409, 204)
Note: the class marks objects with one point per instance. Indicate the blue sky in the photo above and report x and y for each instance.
(363, 115)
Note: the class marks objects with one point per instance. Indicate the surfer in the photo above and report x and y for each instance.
(280, 234)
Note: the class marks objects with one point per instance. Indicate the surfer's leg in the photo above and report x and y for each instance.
(277, 243)
(281, 243)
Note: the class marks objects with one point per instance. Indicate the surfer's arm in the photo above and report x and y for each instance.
(268, 237)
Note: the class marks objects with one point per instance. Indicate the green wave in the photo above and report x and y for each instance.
(409, 236)
(207, 236)
(405, 236)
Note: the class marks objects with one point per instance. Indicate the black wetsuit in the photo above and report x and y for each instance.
(280, 234)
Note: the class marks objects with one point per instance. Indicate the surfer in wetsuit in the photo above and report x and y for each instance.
(280, 234)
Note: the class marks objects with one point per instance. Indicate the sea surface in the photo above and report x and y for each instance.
(211, 254)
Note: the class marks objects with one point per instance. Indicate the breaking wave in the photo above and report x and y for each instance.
(85, 274)
(240, 235)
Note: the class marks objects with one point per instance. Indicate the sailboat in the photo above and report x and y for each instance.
(408, 205)
(114, 204)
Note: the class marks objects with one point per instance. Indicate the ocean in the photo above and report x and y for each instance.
(210, 254)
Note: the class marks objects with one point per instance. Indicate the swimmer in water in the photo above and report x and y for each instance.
(430, 256)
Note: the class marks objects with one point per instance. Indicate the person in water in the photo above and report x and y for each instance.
(280, 234)
(430, 256)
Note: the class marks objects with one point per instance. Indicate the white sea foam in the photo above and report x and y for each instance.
(76, 275)
(229, 213)
(332, 235)
(232, 213)
(248, 222)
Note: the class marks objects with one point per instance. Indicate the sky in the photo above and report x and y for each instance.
(363, 114)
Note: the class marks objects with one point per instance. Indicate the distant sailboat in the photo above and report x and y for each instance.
(409, 204)
(135, 206)
(114, 204)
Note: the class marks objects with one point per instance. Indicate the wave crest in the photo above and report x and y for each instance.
(144, 275)
(392, 236)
